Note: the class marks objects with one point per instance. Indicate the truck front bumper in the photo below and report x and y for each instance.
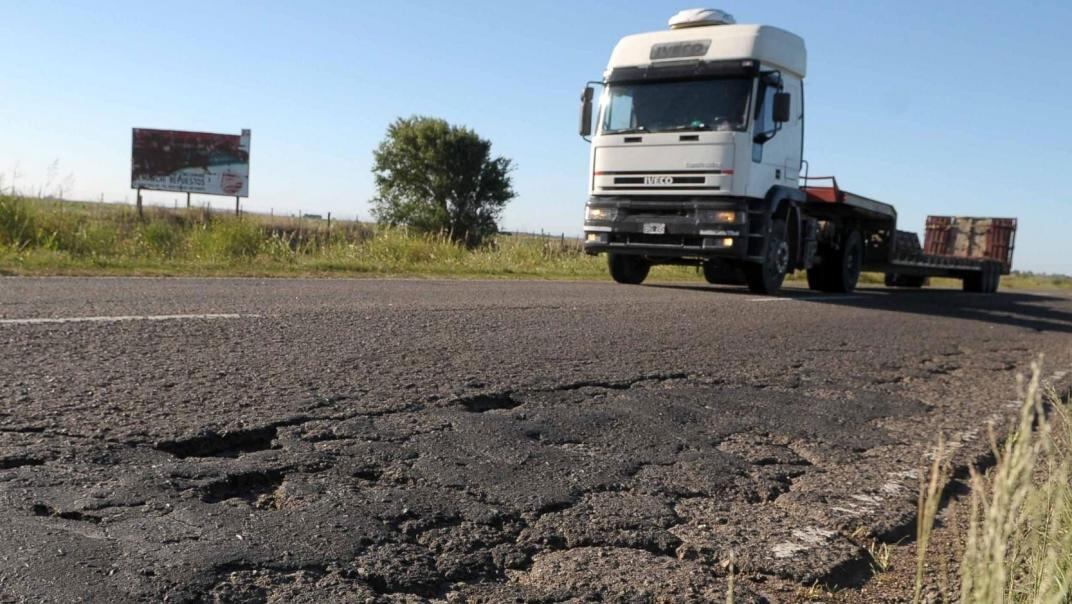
(690, 228)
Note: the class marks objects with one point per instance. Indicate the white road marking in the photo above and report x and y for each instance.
(807, 538)
(116, 319)
(806, 298)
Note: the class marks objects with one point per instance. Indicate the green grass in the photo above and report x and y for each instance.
(48, 237)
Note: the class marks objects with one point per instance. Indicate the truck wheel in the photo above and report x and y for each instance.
(628, 269)
(846, 273)
(767, 278)
(840, 269)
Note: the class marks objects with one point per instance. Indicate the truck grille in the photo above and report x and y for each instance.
(642, 239)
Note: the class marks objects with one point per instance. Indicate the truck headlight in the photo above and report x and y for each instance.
(600, 213)
(718, 216)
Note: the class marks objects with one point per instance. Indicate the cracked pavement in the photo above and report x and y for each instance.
(486, 441)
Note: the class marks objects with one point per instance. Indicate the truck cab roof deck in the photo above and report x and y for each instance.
(771, 46)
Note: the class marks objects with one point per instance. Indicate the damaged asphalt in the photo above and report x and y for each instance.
(409, 441)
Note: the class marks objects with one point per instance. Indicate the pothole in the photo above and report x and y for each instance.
(227, 444)
(248, 486)
(46, 511)
(489, 402)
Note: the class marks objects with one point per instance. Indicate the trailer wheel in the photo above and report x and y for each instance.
(767, 278)
(985, 281)
(628, 269)
(996, 276)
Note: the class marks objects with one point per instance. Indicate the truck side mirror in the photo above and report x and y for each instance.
(781, 107)
(586, 111)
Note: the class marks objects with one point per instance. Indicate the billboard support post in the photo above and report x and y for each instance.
(236, 212)
(187, 200)
(140, 214)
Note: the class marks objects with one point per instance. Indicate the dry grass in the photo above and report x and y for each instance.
(1018, 546)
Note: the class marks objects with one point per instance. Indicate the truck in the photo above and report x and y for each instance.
(697, 158)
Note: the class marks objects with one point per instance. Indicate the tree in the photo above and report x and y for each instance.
(440, 178)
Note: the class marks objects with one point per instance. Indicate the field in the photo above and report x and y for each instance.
(53, 237)
(50, 237)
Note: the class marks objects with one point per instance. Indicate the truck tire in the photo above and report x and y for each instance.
(767, 278)
(986, 281)
(995, 282)
(628, 269)
(840, 269)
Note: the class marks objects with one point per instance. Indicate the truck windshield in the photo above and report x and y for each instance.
(662, 106)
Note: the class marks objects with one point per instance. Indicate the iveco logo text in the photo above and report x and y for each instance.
(658, 180)
(680, 50)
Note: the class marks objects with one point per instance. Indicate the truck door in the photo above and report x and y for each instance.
(793, 132)
(768, 158)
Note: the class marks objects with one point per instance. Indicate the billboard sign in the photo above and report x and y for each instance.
(191, 162)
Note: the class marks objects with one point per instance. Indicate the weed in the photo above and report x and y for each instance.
(1018, 546)
(880, 556)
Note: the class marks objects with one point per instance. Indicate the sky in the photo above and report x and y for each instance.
(957, 107)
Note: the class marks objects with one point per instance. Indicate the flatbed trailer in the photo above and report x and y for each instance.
(952, 250)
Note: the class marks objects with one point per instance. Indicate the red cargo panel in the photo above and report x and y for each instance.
(937, 240)
(968, 237)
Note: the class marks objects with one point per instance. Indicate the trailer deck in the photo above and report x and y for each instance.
(977, 250)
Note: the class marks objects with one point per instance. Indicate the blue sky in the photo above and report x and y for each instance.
(945, 108)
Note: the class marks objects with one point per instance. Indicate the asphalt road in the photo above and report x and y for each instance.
(396, 440)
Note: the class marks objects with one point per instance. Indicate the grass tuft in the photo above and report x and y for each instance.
(1018, 546)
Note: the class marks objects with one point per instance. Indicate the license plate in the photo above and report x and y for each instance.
(654, 228)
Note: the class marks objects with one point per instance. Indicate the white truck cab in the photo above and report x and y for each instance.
(696, 149)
